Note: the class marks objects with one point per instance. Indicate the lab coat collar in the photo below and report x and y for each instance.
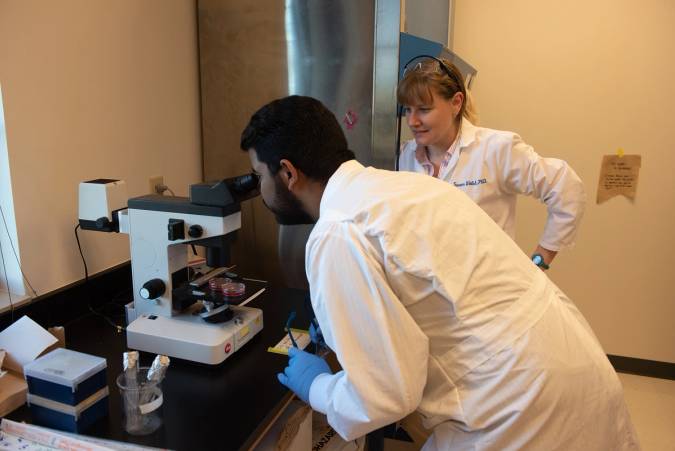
(466, 138)
(468, 133)
(341, 176)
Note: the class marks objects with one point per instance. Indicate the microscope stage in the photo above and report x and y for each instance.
(189, 337)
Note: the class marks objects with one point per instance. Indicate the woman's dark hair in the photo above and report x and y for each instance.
(301, 130)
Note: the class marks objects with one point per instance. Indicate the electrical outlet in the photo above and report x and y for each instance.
(154, 181)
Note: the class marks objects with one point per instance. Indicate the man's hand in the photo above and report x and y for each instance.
(301, 371)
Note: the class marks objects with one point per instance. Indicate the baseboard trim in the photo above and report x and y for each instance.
(92, 278)
(642, 367)
(61, 306)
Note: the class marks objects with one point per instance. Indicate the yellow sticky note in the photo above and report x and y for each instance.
(300, 336)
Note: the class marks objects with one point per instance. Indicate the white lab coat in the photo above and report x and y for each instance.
(430, 306)
(493, 167)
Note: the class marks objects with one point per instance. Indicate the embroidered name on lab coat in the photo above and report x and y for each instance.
(470, 182)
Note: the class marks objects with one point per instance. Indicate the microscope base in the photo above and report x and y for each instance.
(187, 336)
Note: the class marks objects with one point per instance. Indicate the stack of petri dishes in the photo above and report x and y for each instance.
(227, 288)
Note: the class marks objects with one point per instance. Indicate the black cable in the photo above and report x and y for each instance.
(84, 262)
(399, 116)
(9, 292)
(114, 302)
(88, 288)
(4, 267)
(16, 256)
(290, 319)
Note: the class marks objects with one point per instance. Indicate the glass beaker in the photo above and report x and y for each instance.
(141, 402)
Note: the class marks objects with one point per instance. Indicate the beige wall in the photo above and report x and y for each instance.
(93, 89)
(578, 80)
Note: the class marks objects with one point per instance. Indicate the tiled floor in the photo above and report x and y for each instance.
(652, 407)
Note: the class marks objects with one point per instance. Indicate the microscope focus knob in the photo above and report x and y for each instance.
(152, 289)
(195, 231)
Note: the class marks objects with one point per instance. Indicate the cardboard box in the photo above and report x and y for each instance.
(13, 390)
(21, 343)
(325, 438)
(291, 431)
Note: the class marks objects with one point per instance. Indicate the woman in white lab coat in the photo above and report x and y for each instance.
(491, 166)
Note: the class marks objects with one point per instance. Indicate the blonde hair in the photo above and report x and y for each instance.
(418, 82)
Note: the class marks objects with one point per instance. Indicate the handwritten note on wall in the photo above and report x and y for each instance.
(618, 176)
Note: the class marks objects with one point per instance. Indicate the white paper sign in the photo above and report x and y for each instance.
(24, 341)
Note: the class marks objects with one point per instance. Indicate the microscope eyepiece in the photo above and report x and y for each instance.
(225, 192)
(245, 183)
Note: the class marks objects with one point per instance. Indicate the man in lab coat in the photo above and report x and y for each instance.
(427, 304)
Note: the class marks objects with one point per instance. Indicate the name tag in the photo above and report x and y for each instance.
(470, 182)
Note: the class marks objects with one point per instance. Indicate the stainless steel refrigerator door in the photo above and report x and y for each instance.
(254, 52)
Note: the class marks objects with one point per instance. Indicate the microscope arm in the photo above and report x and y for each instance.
(122, 220)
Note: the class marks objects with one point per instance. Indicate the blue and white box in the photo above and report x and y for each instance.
(67, 390)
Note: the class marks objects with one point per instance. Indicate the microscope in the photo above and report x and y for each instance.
(174, 313)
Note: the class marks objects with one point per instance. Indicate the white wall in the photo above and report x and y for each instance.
(578, 80)
(93, 89)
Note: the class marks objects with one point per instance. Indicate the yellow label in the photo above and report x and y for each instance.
(244, 331)
(301, 340)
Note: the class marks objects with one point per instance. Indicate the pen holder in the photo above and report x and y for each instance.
(141, 403)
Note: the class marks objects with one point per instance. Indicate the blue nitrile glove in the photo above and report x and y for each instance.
(301, 371)
(315, 332)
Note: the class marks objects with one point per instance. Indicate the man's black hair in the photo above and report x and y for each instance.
(301, 130)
